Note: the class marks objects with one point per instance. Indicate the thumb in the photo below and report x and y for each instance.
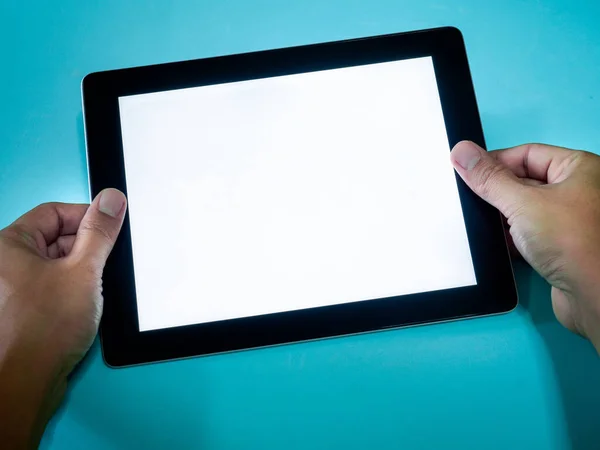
(100, 227)
(487, 177)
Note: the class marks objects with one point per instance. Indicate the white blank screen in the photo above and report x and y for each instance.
(292, 192)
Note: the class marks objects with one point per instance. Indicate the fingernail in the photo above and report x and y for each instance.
(111, 202)
(466, 154)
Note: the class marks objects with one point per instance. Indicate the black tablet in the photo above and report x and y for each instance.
(291, 194)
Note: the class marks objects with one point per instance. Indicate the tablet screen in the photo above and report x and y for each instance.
(292, 192)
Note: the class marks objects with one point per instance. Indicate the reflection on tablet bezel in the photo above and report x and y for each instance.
(123, 344)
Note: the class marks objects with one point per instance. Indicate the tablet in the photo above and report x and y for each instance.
(290, 195)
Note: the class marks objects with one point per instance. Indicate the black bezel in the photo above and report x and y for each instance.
(123, 344)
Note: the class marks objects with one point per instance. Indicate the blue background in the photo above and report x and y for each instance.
(515, 381)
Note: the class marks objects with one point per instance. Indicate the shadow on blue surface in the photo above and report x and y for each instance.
(577, 371)
(133, 424)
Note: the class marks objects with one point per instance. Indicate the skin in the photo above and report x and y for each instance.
(550, 197)
(52, 258)
(51, 262)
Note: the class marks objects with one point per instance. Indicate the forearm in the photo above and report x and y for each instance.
(31, 387)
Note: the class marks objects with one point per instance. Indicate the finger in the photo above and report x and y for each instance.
(512, 248)
(99, 228)
(544, 163)
(488, 178)
(45, 223)
(532, 182)
(62, 247)
(564, 312)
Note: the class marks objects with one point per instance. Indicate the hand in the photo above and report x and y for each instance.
(51, 263)
(550, 197)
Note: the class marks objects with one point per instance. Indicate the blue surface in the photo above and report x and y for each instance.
(515, 381)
